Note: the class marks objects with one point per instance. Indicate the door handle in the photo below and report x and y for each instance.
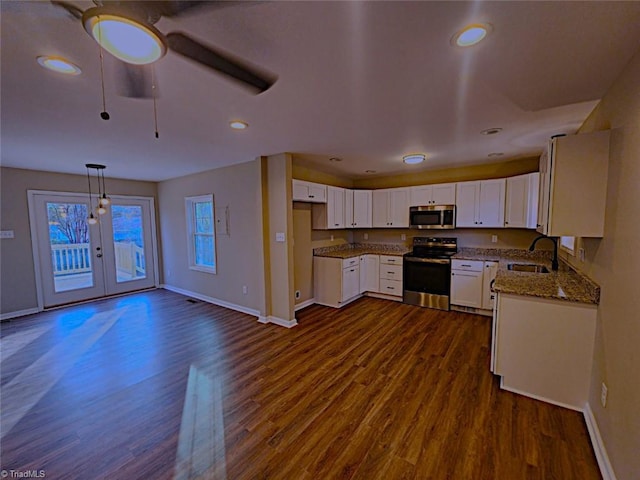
(99, 255)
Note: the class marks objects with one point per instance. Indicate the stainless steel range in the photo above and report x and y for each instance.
(427, 272)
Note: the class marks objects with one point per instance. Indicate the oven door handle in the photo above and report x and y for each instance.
(442, 261)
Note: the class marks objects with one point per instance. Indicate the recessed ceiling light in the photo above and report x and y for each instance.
(370, 171)
(58, 64)
(335, 159)
(238, 125)
(491, 131)
(471, 34)
(495, 154)
(413, 158)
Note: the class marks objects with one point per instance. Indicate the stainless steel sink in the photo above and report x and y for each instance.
(524, 267)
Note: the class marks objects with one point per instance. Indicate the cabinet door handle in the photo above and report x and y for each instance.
(312, 196)
(464, 265)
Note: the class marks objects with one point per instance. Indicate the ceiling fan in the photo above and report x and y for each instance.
(126, 30)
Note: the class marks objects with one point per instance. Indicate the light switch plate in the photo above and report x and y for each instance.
(6, 234)
(280, 237)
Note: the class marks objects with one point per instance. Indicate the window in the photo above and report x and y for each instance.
(201, 233)
(568, 244)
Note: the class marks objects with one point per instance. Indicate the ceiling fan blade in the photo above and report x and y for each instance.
(135, 81)
(220, 62)
(71, 9)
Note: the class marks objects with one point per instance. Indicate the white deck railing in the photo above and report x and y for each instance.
(75, 258)
(130, 259)
(71, 258)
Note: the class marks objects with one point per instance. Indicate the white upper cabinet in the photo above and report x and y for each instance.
(521, 209)
(358, 208)
(480, 203)
(439, 194)
(309, 192)
(391, 208)
(332, 214)
(573, 185)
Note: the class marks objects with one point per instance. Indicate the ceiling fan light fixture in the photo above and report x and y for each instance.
(125, 38)
(58, 64)
(414, 158)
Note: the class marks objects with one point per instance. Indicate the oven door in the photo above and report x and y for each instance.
(427, 281)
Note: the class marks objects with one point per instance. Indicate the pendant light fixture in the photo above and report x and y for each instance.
(102, 200)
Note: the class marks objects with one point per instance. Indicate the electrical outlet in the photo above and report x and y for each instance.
(366, 236)
(245, 290)
(332, 238)
(403, 236)
(603, 395)
(581, 254)
(494, 238)
(298, 294)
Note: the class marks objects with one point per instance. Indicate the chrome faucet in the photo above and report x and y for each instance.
(554, 261)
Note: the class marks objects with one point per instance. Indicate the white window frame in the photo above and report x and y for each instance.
(568, 244)
(189, 203)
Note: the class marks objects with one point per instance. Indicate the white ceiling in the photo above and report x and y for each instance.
(363, 81)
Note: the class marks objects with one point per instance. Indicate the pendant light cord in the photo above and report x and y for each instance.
(153, 92)
(104, 115)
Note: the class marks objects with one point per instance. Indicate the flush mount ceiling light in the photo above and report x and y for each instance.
(413, 158)
(238, 125)
(495, 154)
(491, 131)
(124, 37)
(335, 159)
(58, 64)
(370, 171)
(471, 34)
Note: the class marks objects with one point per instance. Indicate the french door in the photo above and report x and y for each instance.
(77, 261)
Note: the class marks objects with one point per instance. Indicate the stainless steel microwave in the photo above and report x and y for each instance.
(432, 217)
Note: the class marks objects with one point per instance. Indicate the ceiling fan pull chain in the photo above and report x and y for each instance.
(153, 93)
(104, 114)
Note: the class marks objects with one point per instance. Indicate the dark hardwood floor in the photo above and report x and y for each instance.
(152, 386)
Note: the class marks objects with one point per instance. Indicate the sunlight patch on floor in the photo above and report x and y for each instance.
(23, 392)
(201, 449)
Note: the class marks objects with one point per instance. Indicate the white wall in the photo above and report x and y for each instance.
(614, 263)
(239, 254)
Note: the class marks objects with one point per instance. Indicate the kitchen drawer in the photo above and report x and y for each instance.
(391, 259)
(469, 265)
(391, 287)
(391, 272)
(350, 262)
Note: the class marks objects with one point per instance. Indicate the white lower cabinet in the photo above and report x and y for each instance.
(488, 275)
(543, 348)
(466, 283)
(391, 275)
(336, 281)
(369, 273)
(350, 282)
(339, 281)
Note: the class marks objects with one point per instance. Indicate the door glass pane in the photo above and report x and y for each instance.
(70, 248)
(128, 242)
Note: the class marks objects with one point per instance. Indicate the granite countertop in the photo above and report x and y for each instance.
(565, 284)
(349, 250)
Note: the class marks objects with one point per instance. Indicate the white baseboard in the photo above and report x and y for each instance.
(305, 304)
(278, 321)
(215, 301)
(538, 397)
(606, 470)
(18, 313)
(238, 308)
